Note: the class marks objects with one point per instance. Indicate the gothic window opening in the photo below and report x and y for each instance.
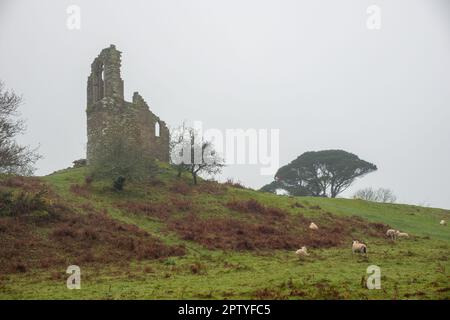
(103, 79)
(157, 128)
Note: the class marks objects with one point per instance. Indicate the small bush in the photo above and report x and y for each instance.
(234, 184)
(119, 183)
(6, 200)
(20, 267)
(22, 203)
(148, 269)
(198, 268)
(79, 163)
(88, 180)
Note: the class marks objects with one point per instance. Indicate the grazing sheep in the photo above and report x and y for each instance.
(359, 247)
(313, 226)
(391, 233)
(402, 234)
(443, 222)
(302, 252)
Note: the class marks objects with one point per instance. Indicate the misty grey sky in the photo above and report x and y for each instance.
(310, 68)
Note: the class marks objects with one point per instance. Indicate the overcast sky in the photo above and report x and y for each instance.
(309, 68)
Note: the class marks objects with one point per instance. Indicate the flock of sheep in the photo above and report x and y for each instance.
(359, 247)
(394, 234)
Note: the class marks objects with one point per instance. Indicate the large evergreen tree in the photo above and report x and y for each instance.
(324, 173)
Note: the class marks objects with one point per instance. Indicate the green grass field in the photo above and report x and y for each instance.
(415, 268)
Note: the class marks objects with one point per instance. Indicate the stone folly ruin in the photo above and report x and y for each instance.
(108, 112)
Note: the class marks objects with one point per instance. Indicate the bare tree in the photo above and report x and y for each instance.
(190, 152)
(14, 158)
(380, 195)
(386, 195)
(367, 194)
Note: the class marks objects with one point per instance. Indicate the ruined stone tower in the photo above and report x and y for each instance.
(108, 111)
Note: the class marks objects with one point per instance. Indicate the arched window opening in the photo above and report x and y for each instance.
(103, 80)
(99, 84)
(157, 128)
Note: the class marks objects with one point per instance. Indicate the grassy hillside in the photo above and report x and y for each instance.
(166, 239)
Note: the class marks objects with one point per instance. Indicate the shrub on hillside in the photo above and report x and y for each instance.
(88, 180)
(79, 163)
(22, 203)
(235, 184)
(119, 183)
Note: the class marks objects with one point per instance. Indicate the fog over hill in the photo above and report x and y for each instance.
(311, 69)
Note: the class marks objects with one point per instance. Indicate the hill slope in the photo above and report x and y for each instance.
(168, 239)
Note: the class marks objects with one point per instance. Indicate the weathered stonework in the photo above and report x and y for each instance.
(108, 111)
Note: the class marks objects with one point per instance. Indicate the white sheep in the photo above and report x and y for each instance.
(302, 252)
(443, 222)
(401, 234)
(359, 247)
(391, 233)
(313, 226)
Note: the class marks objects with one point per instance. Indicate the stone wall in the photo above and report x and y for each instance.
(107, 111)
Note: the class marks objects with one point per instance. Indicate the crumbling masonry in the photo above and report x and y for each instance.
(107, 111)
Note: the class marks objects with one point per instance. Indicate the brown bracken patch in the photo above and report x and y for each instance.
(271, 228)
(158, 210)
(75, 239)
(57, 235)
